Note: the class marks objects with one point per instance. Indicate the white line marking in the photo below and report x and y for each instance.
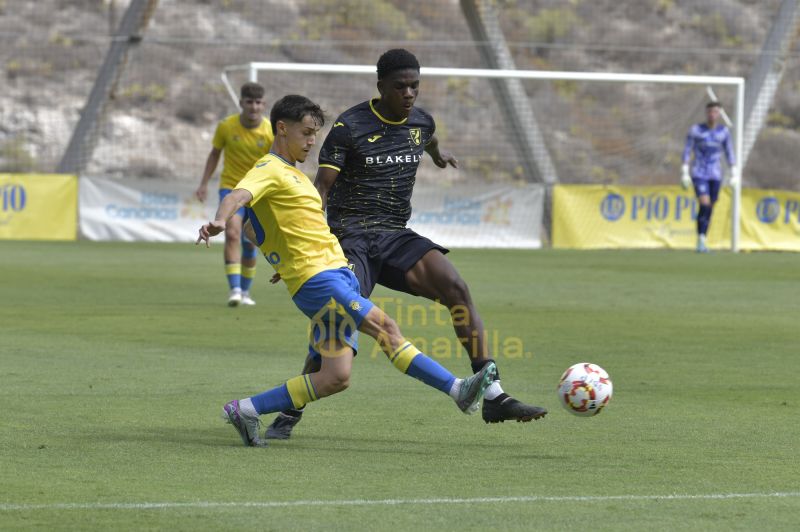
(9, 507)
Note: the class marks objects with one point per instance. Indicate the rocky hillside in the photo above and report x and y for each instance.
(170, 96)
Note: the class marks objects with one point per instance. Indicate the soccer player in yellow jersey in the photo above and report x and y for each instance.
(244, 138)
(367, 170)
(291, 231)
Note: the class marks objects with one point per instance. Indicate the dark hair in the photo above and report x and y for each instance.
(715, 103)
(397, 59)
(251, 90)
(294, 107)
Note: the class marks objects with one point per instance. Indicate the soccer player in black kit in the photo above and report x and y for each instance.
(368, 164)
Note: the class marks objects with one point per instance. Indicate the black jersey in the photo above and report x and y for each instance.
(377, 161)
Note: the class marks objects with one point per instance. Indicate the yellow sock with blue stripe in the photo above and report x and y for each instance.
(411, 361)
(248, 273)
(233, 270)
(296, 393)
(301, 390)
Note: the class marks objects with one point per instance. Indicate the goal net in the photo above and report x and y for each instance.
(610, 143)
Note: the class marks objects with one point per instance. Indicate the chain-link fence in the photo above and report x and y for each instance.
(169, 96)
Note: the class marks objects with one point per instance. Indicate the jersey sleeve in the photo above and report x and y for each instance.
(728, 145)
(219, 136)
(336, 147)
(429, 129)
(261, 181)
(687, 149)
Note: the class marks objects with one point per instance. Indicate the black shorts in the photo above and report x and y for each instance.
(384, 257)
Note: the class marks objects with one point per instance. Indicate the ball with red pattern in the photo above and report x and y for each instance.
(585, 389)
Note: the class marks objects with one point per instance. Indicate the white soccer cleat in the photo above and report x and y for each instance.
(247, 301)
(235, 298)
(701, 244)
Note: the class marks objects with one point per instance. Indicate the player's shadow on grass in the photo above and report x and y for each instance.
(226, 437)
(204, 436)
(353, 444)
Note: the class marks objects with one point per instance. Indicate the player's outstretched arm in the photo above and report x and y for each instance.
(325, 179)
(211, 164)
(686, 179)
(232, 203)
(440, 158)
(735, 178)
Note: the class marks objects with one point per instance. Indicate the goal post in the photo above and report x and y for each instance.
(737, 84)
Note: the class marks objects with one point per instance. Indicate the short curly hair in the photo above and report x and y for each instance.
(396, 59)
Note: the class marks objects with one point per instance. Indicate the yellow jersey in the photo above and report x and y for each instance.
(242, 147)
(290, 226)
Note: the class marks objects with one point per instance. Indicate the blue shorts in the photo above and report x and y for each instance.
(224, 192)
(332, 300)
(707, 187)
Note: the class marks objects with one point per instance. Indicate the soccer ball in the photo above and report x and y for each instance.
(585, 389)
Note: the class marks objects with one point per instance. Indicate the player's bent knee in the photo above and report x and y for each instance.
(332, 382)
(233, 235)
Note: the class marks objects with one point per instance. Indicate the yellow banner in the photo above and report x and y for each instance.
(770, 220)
(38, 207)
(600, 216)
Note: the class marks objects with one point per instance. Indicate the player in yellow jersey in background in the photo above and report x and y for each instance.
(291, 231)
(244, 138)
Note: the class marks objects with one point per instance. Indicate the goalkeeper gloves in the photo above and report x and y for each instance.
(686, 180)
(736, 177)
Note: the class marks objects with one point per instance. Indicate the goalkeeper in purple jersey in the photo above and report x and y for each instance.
(707, 140)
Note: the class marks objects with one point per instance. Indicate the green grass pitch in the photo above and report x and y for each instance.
(115, 361)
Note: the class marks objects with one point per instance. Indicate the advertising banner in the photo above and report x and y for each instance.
(600, 216)
(770, 220)
(38, 206)
(142, 210)
(479, 215)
